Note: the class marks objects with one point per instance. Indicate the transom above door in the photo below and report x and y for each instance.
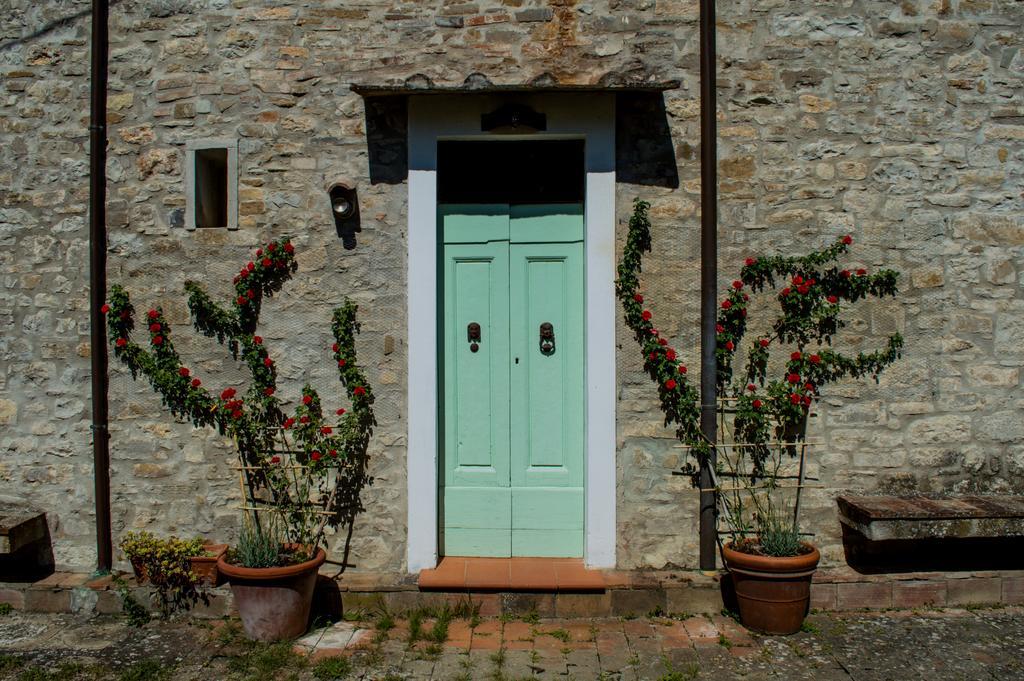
(512, 401)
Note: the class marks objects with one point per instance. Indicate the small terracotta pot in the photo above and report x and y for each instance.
(273, 603)
(140, 570)
(773, 593)
(205, 567)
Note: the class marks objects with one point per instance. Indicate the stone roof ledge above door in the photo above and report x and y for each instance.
(478, 83)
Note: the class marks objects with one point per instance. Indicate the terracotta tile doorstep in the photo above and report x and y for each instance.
(574, 576)
(700, 628)
(487, 573)
(485, 641)
(535, 574)
(449, 574)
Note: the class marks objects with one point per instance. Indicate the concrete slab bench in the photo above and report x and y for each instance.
(884, 518)
(20, 527)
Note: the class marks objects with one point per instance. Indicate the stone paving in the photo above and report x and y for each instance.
(939, 644)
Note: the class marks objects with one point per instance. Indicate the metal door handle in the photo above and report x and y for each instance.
(473, 336)
(547, 338)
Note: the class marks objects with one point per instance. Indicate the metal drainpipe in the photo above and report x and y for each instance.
(708, 275)
(98, 282)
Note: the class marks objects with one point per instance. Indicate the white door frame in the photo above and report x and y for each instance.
(590, 116)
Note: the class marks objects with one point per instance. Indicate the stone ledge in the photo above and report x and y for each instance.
(628, 593)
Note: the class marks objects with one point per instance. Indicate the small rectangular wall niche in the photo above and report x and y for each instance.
(211, 184)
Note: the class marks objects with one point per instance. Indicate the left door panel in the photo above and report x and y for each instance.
(477, 507)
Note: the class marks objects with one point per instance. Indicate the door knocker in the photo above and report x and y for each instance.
(547, 338)
(473, 336)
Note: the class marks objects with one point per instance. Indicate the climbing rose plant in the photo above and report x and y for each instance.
(769, 414)
(304, 465)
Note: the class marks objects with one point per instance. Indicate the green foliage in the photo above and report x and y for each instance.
(9, 663)
(332, 668)
(768, 415)
(295, 465)
(136, 613)
(147, 670)
(165, 564)
(5, 609)
(263, 661)
(259, 544)
(777, 536)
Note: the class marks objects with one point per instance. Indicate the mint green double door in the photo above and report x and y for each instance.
(513, 396)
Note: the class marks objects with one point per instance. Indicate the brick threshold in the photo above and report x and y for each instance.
(458, 573)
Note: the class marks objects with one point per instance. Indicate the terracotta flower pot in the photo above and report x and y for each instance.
(773, 593)
(273, 603)
(205, 567)
(140, 570)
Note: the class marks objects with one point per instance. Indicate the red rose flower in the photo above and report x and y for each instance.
(250, 266)
(794, 378)
(183, 371)
(303, 419)
(653, 356)
(662, 342)
(275, 459)
(719, 328)
(737, 284)
(785, 292)
(794, 398)
(250, 294)
(257, 340)
(646, 315)
(756, 404)
(271, 247)
(745, 297)
(333, 453)
(751, 387)
(798, 280)
(812, 282)
(832, 299)
(288, 248)
(242, 300)
(861, 272)
(751, 261)
(154, 328)
(153, 314)
(267, 362)
(326, 430)
(268, 391)
(654, 332)
(764, 342)
(334, 347)
(845, 274)
(670, 384)
(815, 359)
(847, 239)
(288, 423)
(315, 456)
(259, 252)
(682, 368)
(340, 412)
(804, 289)
(243, 274)
(121, 342)
(341, 362)
(196, 383)
(158, 340)
(807, 400)
(359, 390)
(105, 308)
(236, 414)
(796, 356)
(267, 262)
(809, 386)
(638, 298)
(670, 355)
(227, 394)
(726, 304)
(307, 399)
(729, 346)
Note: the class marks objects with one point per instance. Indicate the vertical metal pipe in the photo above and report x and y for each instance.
(708, 275)
(98, 282)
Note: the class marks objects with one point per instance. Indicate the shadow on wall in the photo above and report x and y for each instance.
(644, 153)
(387, 139)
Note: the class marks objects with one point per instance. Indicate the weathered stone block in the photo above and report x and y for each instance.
(974, 591)
(919, 594)
(863, 595)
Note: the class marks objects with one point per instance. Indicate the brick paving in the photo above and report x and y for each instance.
(896, 645)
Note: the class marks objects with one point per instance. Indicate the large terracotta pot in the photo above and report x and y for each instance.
(773, 593)
(274, 602)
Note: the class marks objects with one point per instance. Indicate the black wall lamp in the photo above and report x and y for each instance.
(345, 209)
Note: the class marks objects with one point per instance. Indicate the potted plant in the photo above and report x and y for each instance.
(166, 564)
(204, 563)
(300, 472)
(765, 418)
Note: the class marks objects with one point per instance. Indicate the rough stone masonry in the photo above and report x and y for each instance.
(901, 123)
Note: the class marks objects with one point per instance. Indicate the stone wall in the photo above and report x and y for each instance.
(901, 123)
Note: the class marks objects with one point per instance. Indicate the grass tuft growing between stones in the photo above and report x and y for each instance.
(332, 668)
